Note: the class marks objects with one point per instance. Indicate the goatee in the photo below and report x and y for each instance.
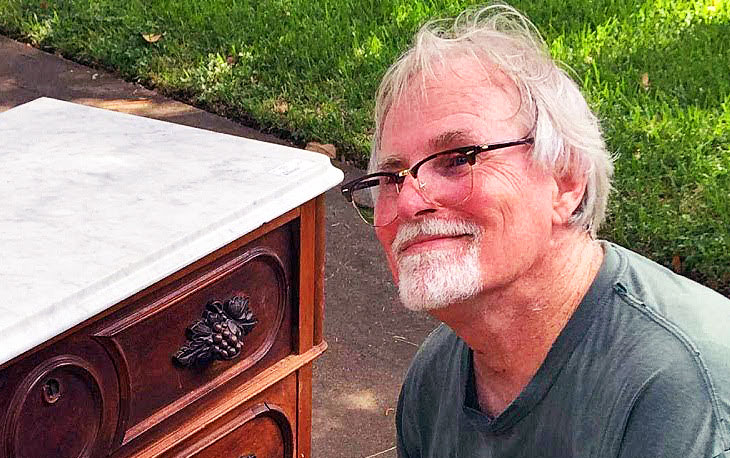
(435, 279)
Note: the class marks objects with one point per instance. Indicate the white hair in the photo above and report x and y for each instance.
(568, 139)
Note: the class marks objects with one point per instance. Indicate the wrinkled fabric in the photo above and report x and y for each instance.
(641, 369)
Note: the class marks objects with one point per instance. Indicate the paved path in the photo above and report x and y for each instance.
(371, 337)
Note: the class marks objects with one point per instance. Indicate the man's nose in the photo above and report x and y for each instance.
(413, 200)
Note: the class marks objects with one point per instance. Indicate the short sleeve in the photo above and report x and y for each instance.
(673, 416)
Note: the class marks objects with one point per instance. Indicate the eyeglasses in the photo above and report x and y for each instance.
(443, 178)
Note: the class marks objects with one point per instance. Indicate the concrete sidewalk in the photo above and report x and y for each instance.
(371, 337)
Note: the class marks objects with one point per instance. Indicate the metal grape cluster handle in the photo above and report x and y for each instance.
(218, 335)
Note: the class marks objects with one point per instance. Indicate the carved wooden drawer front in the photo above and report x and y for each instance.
(263, 428)
(229, 320)
(263, 432)
(63, 406)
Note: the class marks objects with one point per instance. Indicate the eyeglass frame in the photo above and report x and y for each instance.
(470, 152)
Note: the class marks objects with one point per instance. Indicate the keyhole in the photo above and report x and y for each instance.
(51, 391)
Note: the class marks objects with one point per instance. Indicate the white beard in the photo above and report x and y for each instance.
(435, 279)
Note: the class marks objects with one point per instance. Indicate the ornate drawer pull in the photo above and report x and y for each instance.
(218, 335)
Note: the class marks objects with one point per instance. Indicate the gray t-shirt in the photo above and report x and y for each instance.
(642, 369)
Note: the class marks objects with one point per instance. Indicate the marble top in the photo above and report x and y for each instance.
(98, 205)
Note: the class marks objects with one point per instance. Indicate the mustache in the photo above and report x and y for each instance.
(432, 227)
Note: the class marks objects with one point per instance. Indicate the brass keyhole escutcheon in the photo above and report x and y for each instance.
(51, 391)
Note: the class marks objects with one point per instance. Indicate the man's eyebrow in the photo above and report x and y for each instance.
(450, 139)
(391, 163)
(445, 140)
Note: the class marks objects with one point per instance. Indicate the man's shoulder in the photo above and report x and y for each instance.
(441, 342)
(683, 330)
(674, 302)
(432, 395)
(439, 360)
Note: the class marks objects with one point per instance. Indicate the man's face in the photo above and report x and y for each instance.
(445, 255)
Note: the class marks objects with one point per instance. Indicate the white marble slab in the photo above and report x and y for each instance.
(98, 205)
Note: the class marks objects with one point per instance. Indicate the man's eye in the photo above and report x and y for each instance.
(457, 161)
(450, 161)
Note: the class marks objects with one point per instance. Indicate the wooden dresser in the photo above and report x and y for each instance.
(165, 294)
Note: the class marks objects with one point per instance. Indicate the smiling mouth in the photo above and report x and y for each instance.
(433, 234)
(429, 240)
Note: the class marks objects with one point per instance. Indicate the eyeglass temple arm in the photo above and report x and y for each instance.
(493, 146)
(358, 184)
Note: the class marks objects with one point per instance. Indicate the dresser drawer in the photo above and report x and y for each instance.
(60, 402)
(228, 320)
(264, 427)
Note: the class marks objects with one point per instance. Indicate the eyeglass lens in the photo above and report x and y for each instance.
(445, 179)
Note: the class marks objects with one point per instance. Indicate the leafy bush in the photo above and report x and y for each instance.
(657, 72)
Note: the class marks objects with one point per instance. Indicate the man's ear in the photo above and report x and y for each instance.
(567, 196)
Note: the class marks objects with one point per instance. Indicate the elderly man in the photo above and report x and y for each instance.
(489, 182)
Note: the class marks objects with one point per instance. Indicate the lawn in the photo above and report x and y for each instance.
(657, 72)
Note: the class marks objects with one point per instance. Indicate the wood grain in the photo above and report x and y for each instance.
(117, 367)
(319, 263)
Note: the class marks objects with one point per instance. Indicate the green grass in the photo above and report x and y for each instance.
(309, 68)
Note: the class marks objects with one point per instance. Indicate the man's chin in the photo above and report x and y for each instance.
(438, 288)
(423, 300)
(419, 304)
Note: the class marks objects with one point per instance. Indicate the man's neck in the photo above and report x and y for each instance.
(511, 330)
